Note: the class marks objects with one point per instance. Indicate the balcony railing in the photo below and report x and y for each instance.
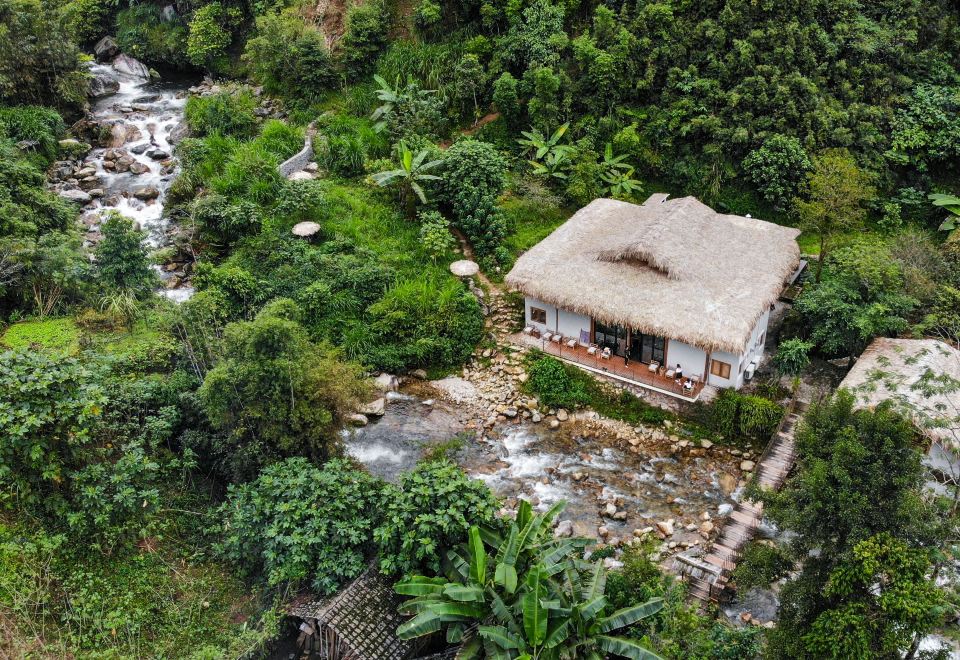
(630, 371)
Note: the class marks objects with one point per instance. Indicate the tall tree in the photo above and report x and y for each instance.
(856, 494)
(837, 192)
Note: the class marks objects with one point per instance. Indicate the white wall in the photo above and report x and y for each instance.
(566, 323)
(571, 324)
(734, 361)
(691, 358)
(551, 323)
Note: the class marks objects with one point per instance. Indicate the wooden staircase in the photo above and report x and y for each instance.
(707, 576)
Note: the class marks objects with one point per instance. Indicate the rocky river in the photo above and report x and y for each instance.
(125, 162)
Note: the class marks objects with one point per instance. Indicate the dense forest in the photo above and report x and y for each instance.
(172, 469)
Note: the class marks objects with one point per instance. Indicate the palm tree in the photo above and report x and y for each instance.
(531, 594)
(411, 173)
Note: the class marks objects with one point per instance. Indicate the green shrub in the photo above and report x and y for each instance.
(209, 34)
(760, 565)
(88, 20)
(427, 513)
(122, 262)
(777, 168)
(28, 209)
(349, 143)
(435, 235)
(745, 416)
(250, 174)
(793, 356)
(300, 524)
(553, 384)
(289, 57)
(142, 33)
(364, 38)
(34, 124)
(474, 176)
(228, 113)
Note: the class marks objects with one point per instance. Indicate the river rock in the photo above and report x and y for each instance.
(137, 168)
(157, 154)
(554, 424)
(665, 527)
(102, 84)
(146, 193)
(727, 483)
(179, 133)
(747, 466)
(510, 413)
(419, 374)
(386, 383)
(84, 172)
(127, 65)
(706, 444)
(562, 415)
(77, 196)
(375, 408)
(106, 49)
(610, 510)
(358, 420)
(706, 527)
(564, 529)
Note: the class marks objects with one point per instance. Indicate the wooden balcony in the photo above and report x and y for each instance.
(634, 373)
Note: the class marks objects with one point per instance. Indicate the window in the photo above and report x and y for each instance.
(721, 369)
(538, 315)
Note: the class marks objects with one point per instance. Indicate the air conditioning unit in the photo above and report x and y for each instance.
(750, 370)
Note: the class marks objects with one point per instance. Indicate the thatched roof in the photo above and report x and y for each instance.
(464, 268)
(363, 616)
(918, 374)
(674, 268)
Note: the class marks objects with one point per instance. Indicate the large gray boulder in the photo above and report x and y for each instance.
(77, 196)
(130, 66)
(106, 49)
(103, 84)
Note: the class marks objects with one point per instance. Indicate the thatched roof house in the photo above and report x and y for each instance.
(673, 268)
(669, 268)
(358, 623)
(922, 375)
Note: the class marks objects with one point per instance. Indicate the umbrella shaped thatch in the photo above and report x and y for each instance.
(672, 268)
(464, 268)
(305, 229)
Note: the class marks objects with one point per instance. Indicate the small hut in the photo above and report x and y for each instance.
(358, 623)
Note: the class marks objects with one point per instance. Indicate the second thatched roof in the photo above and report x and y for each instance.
(674, 268)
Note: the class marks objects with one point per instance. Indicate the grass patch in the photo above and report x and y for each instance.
(60, 335)
(529, 221)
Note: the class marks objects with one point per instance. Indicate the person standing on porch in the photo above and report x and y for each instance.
(678, 373)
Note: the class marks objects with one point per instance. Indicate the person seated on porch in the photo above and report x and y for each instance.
(678, 372)
(688, 385)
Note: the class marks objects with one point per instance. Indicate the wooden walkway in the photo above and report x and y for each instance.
(707, 576)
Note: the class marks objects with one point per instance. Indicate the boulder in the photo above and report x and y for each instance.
(301, 176)
(419, 374)
(137, 168)
(564, 529)
(102, 84)
(665, 527)
(146, 193)
(130, 66)
(357, 420)
(77, 196)
(374, 409)
(157, 154)
(106, 49)
(386, 383)
(179, 132)
(562, 415)
(747, 466)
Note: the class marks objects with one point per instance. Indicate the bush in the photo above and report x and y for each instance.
(364, 38)
(298, 524)
(209, 34)
(474, 175)
(274, 393)
(122, 262)
(289, 57)
(760, 565)
(745, 416)
(33, 124)
(551, 381)
(435, 235)
(142, 33)
(228, 113)
(429, 512)
(350, 142)
(422, 323)
(778, 168)
(793, 356)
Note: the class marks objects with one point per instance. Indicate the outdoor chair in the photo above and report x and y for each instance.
(669, 373)
(572, 343)
(653, 367)
(606, 353)
(546, 336)
(557, 338)
(592, 349)
(528, 330)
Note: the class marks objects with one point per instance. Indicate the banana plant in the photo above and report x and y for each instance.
(952, 204)
(621, 184)
(522, 596)
(411, 173)
(389, 98)
(548, 156)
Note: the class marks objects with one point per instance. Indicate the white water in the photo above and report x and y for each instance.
(153, 110)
